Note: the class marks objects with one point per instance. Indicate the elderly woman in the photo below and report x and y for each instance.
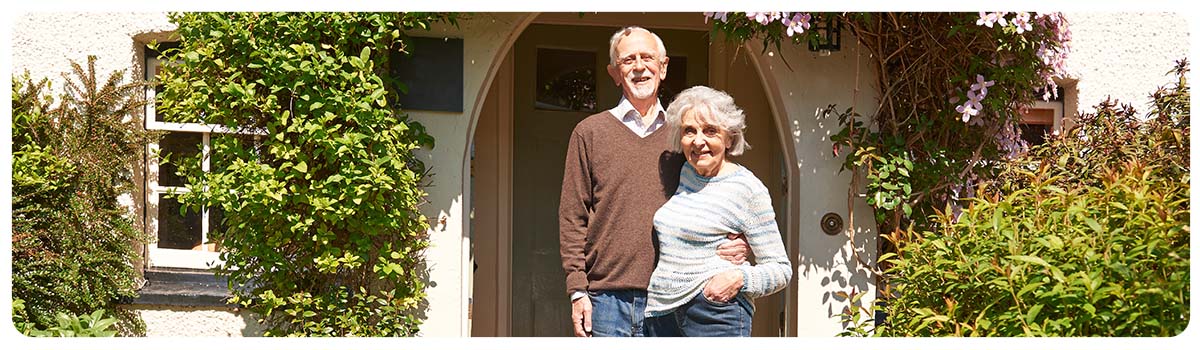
(692, 291)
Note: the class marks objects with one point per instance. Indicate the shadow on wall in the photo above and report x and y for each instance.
(253, 328)
(438, 210)
(820, 82)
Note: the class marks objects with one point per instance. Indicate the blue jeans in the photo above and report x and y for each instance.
(701, 317)
(618, 313)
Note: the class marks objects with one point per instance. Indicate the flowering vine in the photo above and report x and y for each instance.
(950, 84)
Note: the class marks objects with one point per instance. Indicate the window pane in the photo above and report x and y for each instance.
(179, 145)
(566, 80)
(159, 116)
(177, 231)
(1034, 134)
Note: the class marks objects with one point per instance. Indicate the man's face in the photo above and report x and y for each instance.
(640, 68)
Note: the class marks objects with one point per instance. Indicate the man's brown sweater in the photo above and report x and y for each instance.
(613, 182)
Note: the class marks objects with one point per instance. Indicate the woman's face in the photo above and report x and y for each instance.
(703, 143)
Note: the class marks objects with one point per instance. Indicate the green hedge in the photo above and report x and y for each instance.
(1085, 236)
(73, 243)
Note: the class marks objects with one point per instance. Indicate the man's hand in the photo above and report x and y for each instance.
(724, 286)
(581, 316)
(736, 250)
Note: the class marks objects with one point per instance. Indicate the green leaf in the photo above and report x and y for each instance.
(1095, 226)
(1031, 315)
(1055, 242)
(1029, 259)
(1029, 287)
(365, 55)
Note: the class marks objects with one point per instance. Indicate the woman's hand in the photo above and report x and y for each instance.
(724, 286)
(736, 250)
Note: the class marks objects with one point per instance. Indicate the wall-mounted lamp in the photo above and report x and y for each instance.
(829, 36)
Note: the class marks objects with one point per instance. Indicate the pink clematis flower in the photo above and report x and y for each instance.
(967, 110)
(1021, 21)
(989, 19)
(762, 17)
(971, 107)
(981, 85)
(715, 15)
(797, 24)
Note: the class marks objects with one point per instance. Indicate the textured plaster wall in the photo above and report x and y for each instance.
(163, 321)
(484, 35)
(825, 264)
(45, 42)
(1125, 55)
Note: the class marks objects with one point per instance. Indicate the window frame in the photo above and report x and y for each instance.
(208, 255)
(1055, 107)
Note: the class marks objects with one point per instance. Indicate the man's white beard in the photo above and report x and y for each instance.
(642, 92)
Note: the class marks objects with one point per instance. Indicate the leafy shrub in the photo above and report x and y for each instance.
(85, 325)
(321, 232)
(73, 243)
(1086, 236)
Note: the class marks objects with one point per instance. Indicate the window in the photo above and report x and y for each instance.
(181, 239)
(1044, 117)
(566, 80)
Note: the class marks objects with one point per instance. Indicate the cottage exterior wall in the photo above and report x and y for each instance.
(183, 321)
(826, 264)
(1123, 55)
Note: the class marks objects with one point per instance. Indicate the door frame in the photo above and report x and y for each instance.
(501, 74)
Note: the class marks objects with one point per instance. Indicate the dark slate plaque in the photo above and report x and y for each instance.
(433, 74)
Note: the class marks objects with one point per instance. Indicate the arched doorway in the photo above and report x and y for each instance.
(520, 141)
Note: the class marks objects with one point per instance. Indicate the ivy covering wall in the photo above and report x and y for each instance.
(322, 234)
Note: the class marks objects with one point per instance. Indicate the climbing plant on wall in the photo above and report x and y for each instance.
(950, 84)
(320, 188)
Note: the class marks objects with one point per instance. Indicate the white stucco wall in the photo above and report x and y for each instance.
(1126, 55)
(197, 322)
(825, 264)
(44, 43)
(484, 34)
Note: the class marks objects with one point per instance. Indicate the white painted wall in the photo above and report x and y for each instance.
(1126, 55)
(179, 321)
(825, 264)
(449, 263)
(44, 43)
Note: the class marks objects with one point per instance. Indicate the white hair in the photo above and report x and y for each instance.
(714, 107)
(624, 32)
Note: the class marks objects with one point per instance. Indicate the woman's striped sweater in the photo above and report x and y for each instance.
(694, 222)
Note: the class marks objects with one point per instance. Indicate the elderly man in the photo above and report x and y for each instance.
(619, 170)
